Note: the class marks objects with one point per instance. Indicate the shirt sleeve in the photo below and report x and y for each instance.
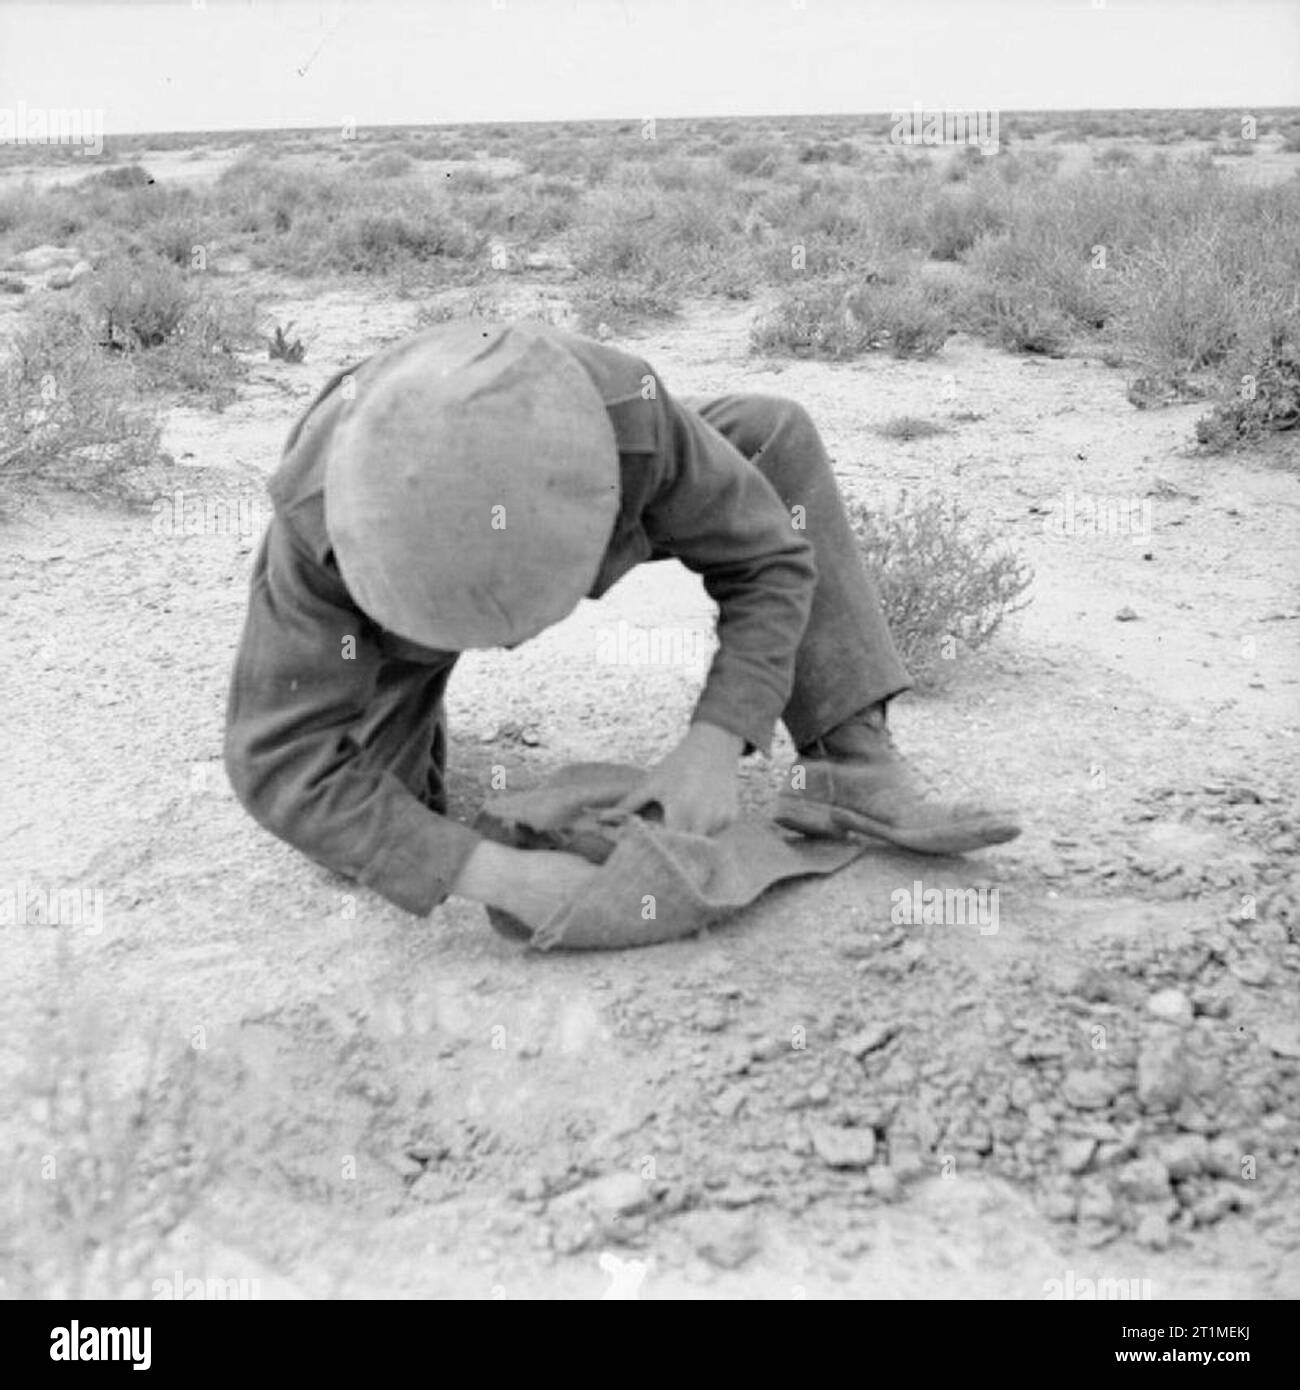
(720, 517)
(306, 667)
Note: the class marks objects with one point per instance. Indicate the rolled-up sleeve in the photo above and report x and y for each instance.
(305, 670)
(720, 517)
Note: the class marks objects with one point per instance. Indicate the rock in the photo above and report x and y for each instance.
(739, 1194)
(869, 1040)
(1152, 1231)
(1059, 1203)
(1022, 1094)
(1163, 1071)
(1252, 970)
(1184, 1156)
(1282, 1039)
(1215, 1206)
(1076, 1154)
(838, 1147)
(819, 1093)
(1126, 615)
(1097, 1202)
(1170, 1004)
(884, 1182)
(1090, 1088)
(614, 1195)
(727, 1104)
(1037, 1049)
(1224, 1157)
(1144, 1180)
(711, 1017)
(725, 1239)
(767, 1049)
(1210, 1003)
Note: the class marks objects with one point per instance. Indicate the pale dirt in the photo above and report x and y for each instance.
(1154, 761)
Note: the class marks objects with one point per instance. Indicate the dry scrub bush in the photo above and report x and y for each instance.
(945, 583)
(845, 317)
(109, 1155)
(70, 414)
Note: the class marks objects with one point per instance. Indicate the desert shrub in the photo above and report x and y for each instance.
(1268, 395)
(70, 414)
(1116, 157)
(946, 584)
(909, 427)
(389, 164)
(842, 317)
(753, 159)
(183, 330)
(124, 176)
(1016, 317)
(135, 1146)
(139, 305)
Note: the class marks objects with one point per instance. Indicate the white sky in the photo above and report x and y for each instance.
(229, 64)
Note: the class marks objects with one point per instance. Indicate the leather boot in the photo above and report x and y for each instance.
(854, 780)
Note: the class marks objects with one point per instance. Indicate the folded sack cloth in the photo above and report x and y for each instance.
(654, 884)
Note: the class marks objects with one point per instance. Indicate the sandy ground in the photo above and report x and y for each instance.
(812, 1101)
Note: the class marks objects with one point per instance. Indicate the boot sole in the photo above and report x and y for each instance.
(825, 821)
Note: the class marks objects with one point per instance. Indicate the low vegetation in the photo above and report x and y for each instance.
(1162, 261)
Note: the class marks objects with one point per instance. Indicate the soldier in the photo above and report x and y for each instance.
(466, 488)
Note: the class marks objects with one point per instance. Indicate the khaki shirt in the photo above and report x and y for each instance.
(685, 493)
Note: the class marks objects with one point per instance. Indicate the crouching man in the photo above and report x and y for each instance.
(466, 488)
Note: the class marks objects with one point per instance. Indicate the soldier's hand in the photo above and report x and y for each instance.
(531, 884)
(696, 783)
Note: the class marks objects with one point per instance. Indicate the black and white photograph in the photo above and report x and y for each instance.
(651, 653)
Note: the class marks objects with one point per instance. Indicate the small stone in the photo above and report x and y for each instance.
(819, 1093)
(1076, 1154)
(884, 1182)
(1185, 1155)
(869, 1040)
(616, 1194)
(1126, 615)
(1152, 1231)
(1089, 1089)
(1023, 1093)
(1282, 1039)
(725, 1239)
(1210, 1003)
(1060, 1204)
(1252, 970)
(1215, 1206)
(1170, 1004)
(1163, 1073)
(1144, 1180)
(1097, 1202)
(711, 1017)
(838, 1147)
(1224, 1157)
(739, 1194)
(1037, 1049)
(727, 1104)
